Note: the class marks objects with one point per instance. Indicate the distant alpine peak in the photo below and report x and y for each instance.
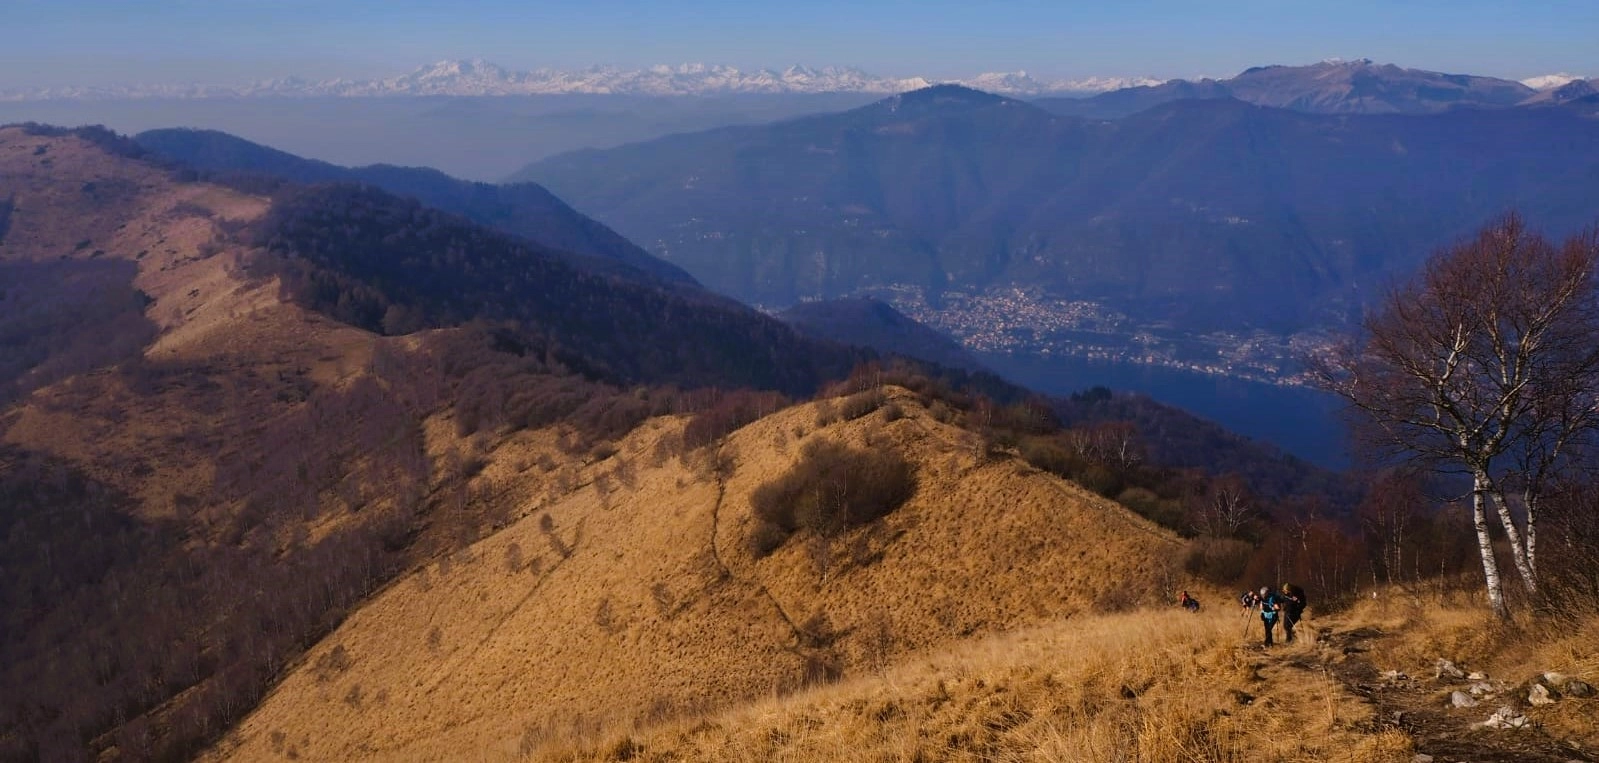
(478, 77)
(1551, 81)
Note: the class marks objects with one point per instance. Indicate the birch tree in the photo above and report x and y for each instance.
(1485, 364)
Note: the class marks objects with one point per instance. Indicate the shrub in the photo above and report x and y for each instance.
(1163, 511)
(473, 465)
(1569, 552)
(1222, 561)
(826, 413)
(861, 403)
(602, 451)
(765, 537)
(893, 412)
(832, 488)
(1047, 454)
(1100, 479)
(732, 411)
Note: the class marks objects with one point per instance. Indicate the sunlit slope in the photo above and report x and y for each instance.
(92, 222)
(635, 598)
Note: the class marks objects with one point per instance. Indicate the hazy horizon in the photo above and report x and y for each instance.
(95, 43)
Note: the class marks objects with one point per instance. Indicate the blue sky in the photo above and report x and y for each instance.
(60, 42)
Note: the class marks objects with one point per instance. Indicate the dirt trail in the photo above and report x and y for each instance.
(1418, 705)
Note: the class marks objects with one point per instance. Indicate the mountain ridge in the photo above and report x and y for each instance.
(1329, 87)
(1210, 214)
(876, 324)
(481, 78)
(523, 209)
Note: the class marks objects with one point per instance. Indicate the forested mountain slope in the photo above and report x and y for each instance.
(1201, 214)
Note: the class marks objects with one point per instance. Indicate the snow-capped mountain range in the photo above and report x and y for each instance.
(478, 77)
(1552, 81)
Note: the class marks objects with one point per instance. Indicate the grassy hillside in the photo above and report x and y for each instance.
(637, 597)
(199, 437)
(1162, 685)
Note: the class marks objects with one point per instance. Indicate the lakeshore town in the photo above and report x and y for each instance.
(1019, 320)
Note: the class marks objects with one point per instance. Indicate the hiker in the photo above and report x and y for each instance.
(1188, 602)
(1292, 602)
(1269, 611)
(1249, 600)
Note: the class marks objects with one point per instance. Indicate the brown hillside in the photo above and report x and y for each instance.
(198, 477)
(142, 362)
(75, 201)
(635, 599)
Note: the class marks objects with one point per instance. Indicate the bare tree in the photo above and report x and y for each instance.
(1388, 512)
(1485, 365)
(1226, 507)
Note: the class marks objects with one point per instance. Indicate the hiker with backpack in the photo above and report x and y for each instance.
(1292, 602)
(1188, 602)
(1249, 600)
(1270, 611)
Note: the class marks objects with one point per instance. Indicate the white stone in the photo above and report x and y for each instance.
(1462, 699)
(1503, 718)
(1539, 695)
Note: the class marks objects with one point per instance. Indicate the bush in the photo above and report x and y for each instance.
(831, 489)
(1222, 561)
(765, 537)
(1100, 479)
(826, 413)
(861, 403)
(1569, 552)
(1165, 512)
(731, 411)
(1047, 454)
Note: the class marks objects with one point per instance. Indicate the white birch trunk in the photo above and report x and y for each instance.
(1490, 566)
(1518, 552)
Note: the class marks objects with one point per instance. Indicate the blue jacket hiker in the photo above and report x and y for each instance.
(1270, 611)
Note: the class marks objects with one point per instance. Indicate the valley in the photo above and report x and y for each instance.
(794, 414)
(1208, 233)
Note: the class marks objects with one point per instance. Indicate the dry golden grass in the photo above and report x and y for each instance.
(1156, 685)
(630, 598)
(1056, 693)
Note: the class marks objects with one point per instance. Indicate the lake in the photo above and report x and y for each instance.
(1302, 421)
